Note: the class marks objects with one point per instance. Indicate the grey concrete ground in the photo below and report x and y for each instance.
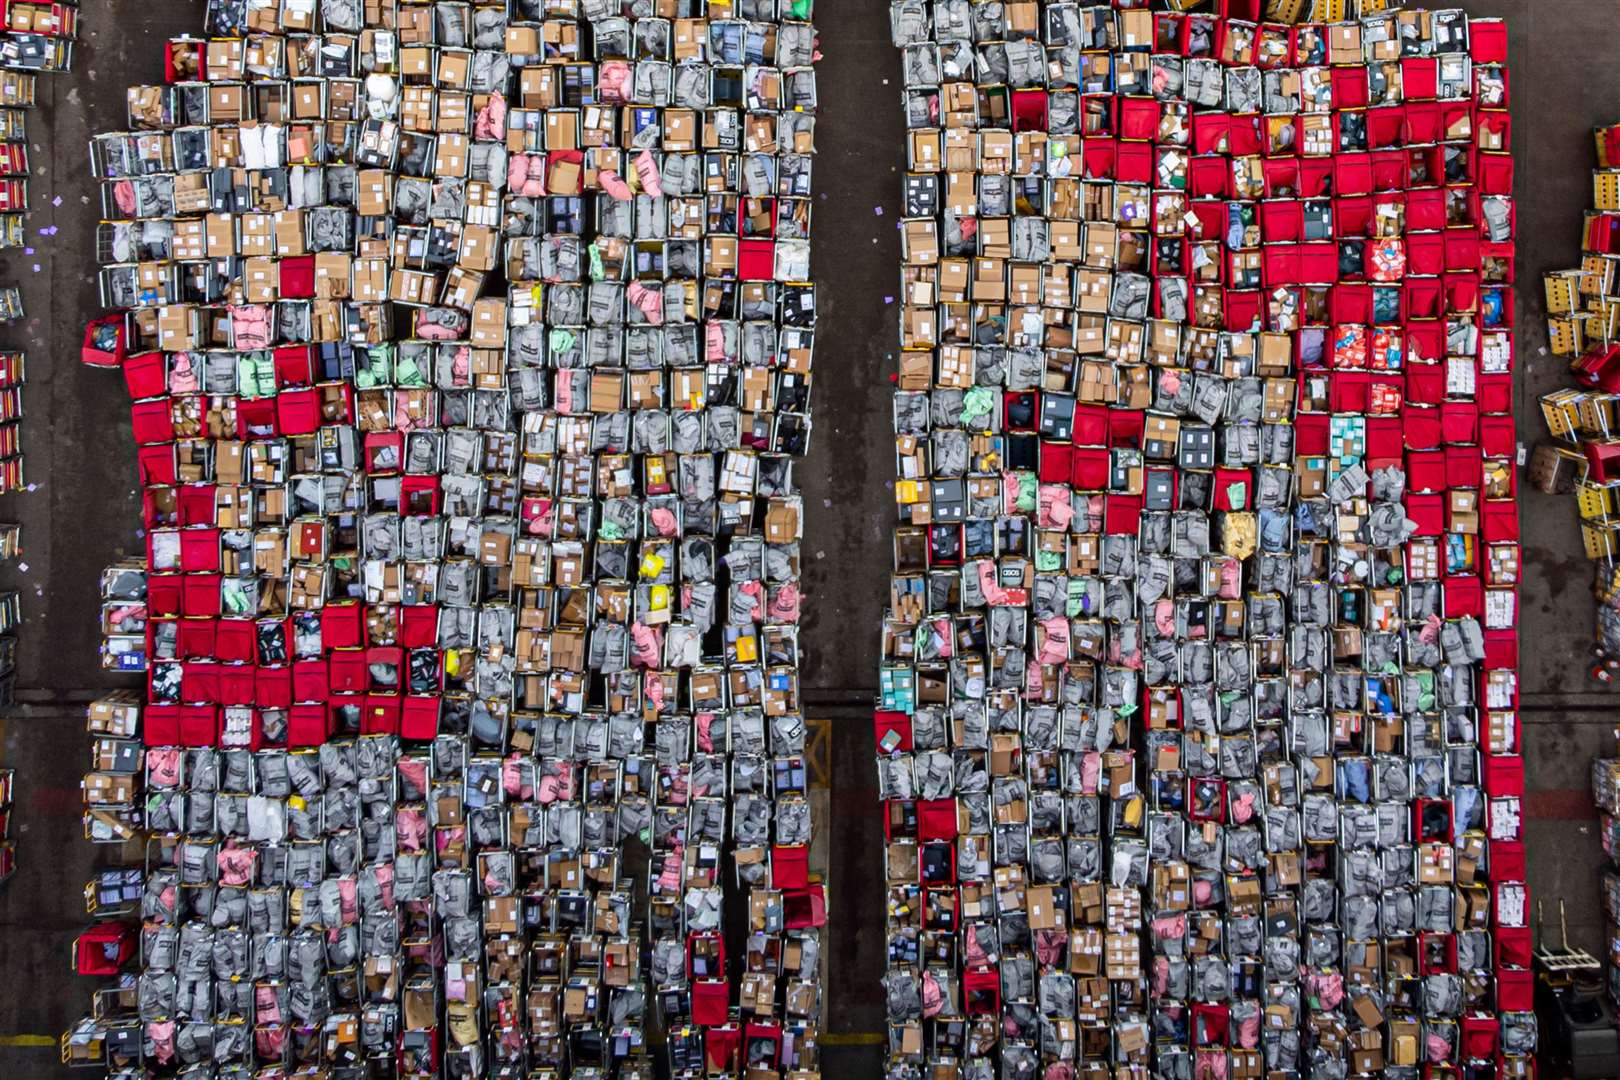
(83, 513)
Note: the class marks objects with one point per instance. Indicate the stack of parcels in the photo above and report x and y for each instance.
(471, 347)
(33, 36)
(38, 35)
(16, 94)
(1198, 736)
(1583, 324)
(123, 616)
(8, 847)
(13, 180)
(112, 788)
(13, 152)
(10, 615)
(1606, 794)
(13, 372)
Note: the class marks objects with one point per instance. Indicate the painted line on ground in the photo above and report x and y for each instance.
(851, 1038)
(1560, 804)
(57, 801)
(27, 1040)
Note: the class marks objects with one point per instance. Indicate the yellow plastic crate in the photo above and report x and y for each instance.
(1606, 189)
(1598, 539)
(1594, 501)
(1597, 273)
(1603, 159)
(1565, 336)
(1555, 469)
(1594, 415)
(1601, 323)
(1563, 289)
(1561, 411)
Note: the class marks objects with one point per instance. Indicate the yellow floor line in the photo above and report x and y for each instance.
(851, 1038)
(27, 1040)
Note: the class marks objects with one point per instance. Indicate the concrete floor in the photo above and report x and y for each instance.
(83, 513)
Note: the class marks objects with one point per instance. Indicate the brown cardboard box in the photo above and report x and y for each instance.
(412, 286)
(332, 269)
(1367, 1010)
(1243, 893)
(489, 323)
(478, 247)
(1136, 28)
(178, 326)
(190, 240)
(1043, 910)
(782, 521)
(562, 129)
(1279, 1016)
(307, 101)
(1086, 903)
(757, 993)
(1065, 239)
(501, 915)
(691, 39)
(219, 229)
(680, 130)
(1435, 863)
(1403, 1042)
(109, 789)
(416, 61)
(523, 40)
(961, 143)
(989, 280)
(1085, 951)
(720, 254)
(455, 69)
(921, 243)
(227, 101)
(1172, 887)
(1464, 511)
(260, 279)
(448, 810)
(370, 277)
(1132, 1038)
(1025, 279)
(494, 547)
(1366, 1052)
(1102, 237)
(224, 59)
(995, 235)
(119, 713)
(1344, 43)
(450, 155)
(374, 192)
(926, 151)
(289, 230)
